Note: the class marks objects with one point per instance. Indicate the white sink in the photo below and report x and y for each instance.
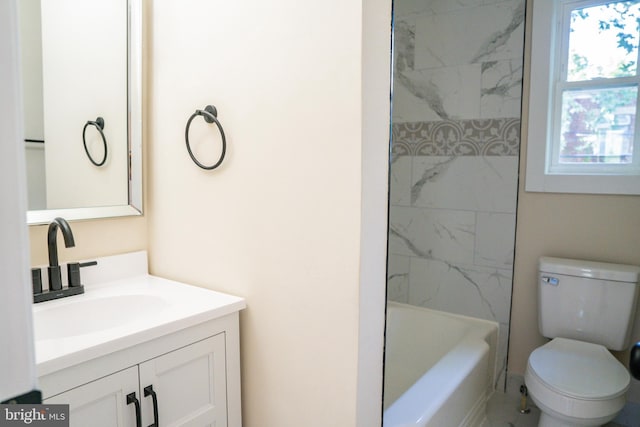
(90, 316)
(117, 314)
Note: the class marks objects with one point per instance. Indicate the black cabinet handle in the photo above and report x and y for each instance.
(148, 390)
(131, 398)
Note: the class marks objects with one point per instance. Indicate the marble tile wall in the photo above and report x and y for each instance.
(454, 171)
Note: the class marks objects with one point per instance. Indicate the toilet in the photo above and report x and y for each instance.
(585, 308)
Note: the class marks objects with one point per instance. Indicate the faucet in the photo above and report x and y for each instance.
(55, 277)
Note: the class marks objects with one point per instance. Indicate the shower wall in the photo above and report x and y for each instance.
(456, 135)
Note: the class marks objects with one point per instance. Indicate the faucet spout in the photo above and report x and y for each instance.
(52, 242)
(55, 275)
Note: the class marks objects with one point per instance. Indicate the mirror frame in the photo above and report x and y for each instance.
(134, 136)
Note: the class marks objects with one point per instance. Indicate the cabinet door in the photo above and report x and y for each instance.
(190, 385)
(102, 403)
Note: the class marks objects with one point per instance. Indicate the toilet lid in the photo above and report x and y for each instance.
(580, 370)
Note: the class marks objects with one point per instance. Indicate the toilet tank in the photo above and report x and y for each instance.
(587, 301)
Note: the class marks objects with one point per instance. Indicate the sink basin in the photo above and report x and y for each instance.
(120, 312)
(94, 315)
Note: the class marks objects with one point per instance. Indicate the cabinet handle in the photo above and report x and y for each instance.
(131, 398)
(148, 390)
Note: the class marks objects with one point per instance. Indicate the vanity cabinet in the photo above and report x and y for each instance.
(190, 385)
(195, 381)
(101, 403)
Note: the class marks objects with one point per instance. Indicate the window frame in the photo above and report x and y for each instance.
(548, 80)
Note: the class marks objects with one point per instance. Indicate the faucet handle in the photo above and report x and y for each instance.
(88, 263)
(73, 272)
(36, 280)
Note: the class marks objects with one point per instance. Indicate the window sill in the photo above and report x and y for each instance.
(583, 184)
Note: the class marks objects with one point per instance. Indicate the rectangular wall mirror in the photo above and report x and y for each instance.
(82, 99)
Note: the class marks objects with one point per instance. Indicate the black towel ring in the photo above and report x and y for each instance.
(99, 124)
(209, 113)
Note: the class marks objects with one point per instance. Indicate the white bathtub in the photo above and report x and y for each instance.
(439, 368)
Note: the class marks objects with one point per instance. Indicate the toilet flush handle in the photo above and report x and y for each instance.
(551, 280)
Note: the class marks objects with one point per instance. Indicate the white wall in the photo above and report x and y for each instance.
(30, 33)
(36, 177)
(283, 222)
(85, 76)
(31, 62)
(376, 58)
(17, 362)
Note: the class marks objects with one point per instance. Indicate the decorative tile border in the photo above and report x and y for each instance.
(483, 137)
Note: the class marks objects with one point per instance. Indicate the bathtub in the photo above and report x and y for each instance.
(439, 368)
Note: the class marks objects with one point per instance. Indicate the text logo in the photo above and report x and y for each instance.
(34, 415)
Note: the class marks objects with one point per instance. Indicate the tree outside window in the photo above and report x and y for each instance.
(599, 91)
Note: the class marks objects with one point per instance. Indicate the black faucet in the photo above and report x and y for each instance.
(55, 277)
(56, 290)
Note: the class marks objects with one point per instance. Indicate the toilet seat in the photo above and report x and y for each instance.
(576, 379)
(579, 370)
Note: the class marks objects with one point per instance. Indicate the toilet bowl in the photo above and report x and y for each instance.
(586, 308)
(576, 383)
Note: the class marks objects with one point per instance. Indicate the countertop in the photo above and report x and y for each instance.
(118, 314)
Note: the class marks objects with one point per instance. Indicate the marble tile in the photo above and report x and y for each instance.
(486, 183)
(501, 83)
(502, 352)
(506, 41)
(437, 93)
(400, 181)
(470, 35)
(408, 7)
(409, 107)
(469, 290)
(405, 8)
(398, 279)
(495, 239)
(451, 92)
(432, 233)
(404, 35)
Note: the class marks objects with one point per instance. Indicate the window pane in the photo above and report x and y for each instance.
(603, 41)
(597, 126)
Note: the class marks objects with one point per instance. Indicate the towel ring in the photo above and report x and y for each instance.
(209, 113)
(99, 124)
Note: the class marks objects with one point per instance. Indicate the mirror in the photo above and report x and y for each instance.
(82, 100)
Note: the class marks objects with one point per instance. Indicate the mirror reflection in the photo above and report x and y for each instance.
(79, 118)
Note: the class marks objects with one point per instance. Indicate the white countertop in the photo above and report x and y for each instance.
(114, 315)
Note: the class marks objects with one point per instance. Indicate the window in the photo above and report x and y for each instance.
(583, 103)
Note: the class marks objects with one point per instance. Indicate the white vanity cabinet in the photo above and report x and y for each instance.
(196, 383)
(190, 384)
(100, 351)
(102, 402)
